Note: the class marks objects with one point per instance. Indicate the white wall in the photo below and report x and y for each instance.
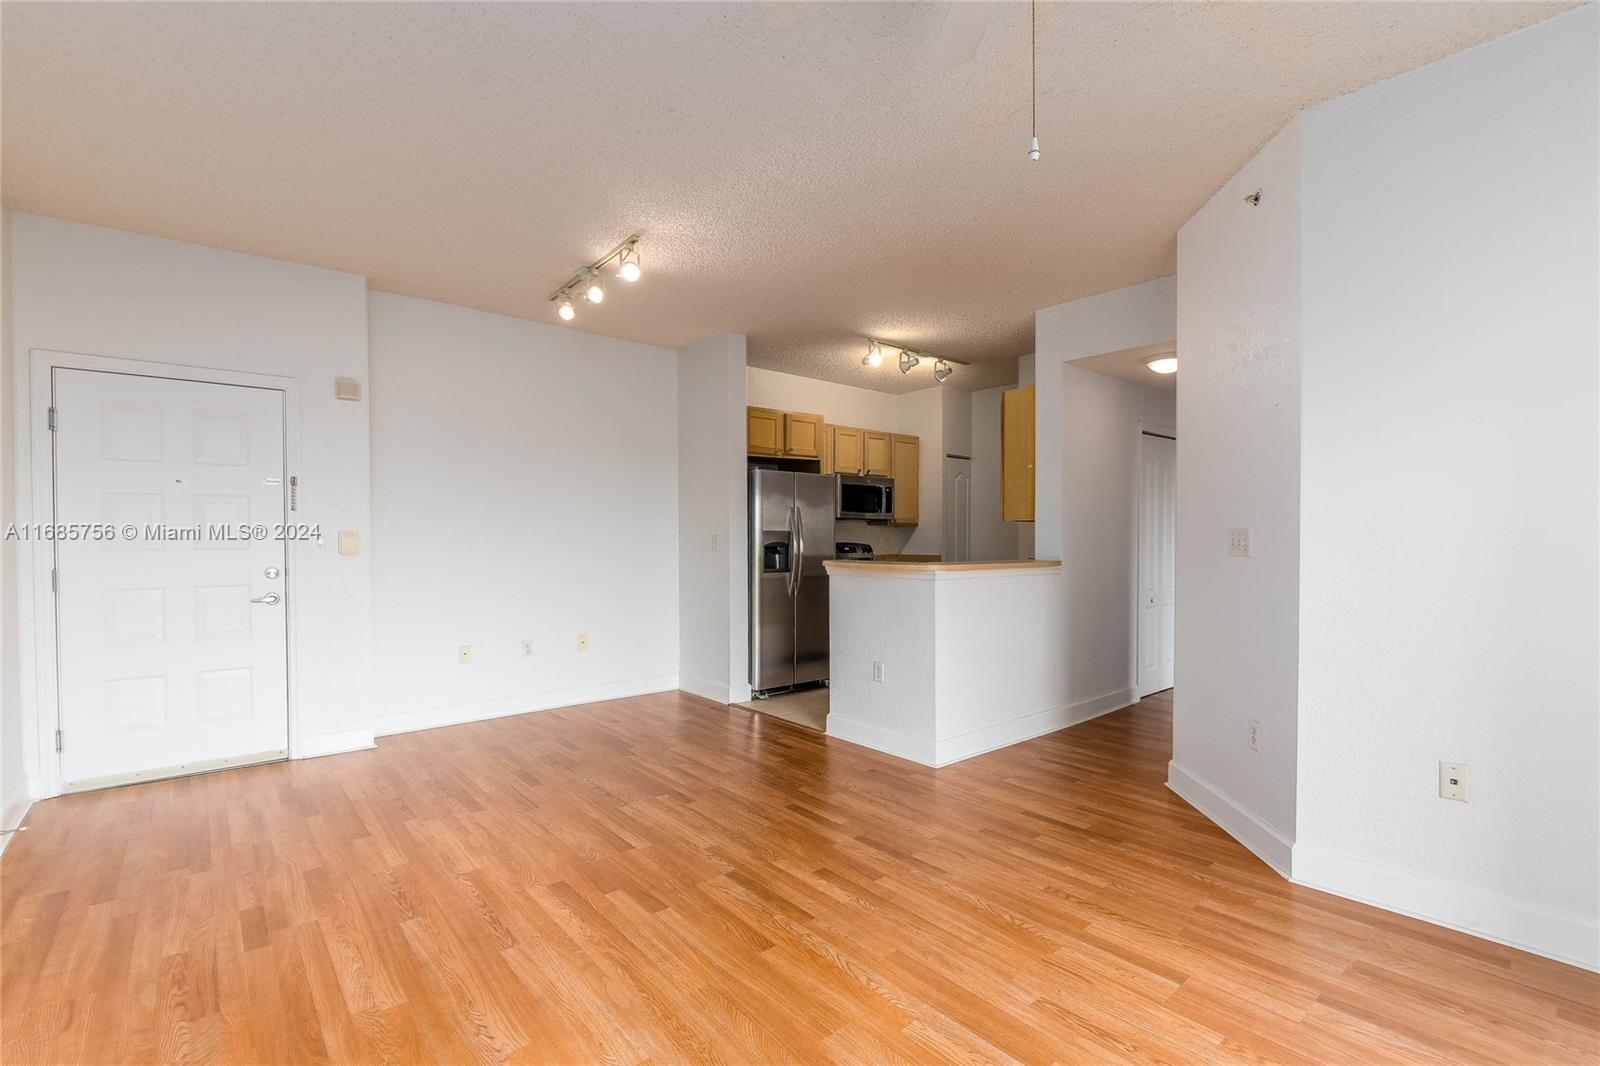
(14, 788)
(103, 292)
(1449, 489)
(921, 414)
(1239, 352)
(1110, 322)
(713, 508)
(841, 405)
(525, 482)
(1100, 419)
(991, 537)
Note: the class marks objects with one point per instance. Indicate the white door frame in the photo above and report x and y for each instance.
(36, 602)
(1140, 430)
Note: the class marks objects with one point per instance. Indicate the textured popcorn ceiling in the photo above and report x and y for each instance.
(805, 174)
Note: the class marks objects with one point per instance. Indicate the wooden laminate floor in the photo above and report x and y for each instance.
(665, 879)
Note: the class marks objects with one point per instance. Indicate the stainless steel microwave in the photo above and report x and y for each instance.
(867, 498)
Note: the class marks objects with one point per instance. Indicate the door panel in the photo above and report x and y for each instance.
(877, 456)
(771, 604)
(814, 501)
(1157, 619)
(906, 454)
(957, 510)
(847, 450)
(1017, 454)
(166, 666)
(763, 431)
(803, 436)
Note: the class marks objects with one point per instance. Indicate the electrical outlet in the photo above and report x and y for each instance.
(1454, 781)
(583, 642)
(464, 654)
(1255, 735)
(1238, 544)
(877, 671)
(527, 649)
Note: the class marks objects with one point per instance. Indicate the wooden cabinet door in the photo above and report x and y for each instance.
(877, 457)
(1017, 454)
(847, 453)
(906, 464)
(802, 436)
(763, 431)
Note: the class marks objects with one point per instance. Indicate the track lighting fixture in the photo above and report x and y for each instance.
(586, 285)
(628, 268)
(909, 360)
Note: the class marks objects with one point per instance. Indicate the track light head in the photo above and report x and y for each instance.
(628, 268)
(565, 309)
(592, 290)
(874, 356)
(942, 370)
(907, 361)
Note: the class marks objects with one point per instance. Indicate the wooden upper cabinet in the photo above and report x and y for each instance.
(1017, 455)
(802, 435)
(906, 466)
(763, 431)
(847, 449)
(877, 455)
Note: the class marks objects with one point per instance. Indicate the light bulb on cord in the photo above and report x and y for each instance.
(629, 270)
(566, 310)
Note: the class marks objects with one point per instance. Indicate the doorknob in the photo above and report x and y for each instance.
(270, 599)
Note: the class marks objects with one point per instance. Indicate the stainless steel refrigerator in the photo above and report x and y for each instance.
(791, 535)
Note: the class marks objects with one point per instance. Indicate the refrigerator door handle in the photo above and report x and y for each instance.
(794, 545)
(800, 552)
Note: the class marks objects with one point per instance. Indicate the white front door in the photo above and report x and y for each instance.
(171, 627)
(1157, 561)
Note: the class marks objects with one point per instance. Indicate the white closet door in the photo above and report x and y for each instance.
(1157, 562)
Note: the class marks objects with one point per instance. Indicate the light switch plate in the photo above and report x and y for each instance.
(349, 542)
(1239, 543)
(1455, 782)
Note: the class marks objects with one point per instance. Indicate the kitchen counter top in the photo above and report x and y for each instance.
(890, 567)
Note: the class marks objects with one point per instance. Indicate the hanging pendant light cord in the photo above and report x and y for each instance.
(1034, 87)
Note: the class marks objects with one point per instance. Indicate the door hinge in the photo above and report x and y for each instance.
(53, 420)
(58, 740)
(55, 580)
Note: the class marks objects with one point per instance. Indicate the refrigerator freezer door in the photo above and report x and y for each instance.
(814, 504)
(771, 599)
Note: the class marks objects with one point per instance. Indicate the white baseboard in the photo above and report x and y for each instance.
(1028, 726)
(1269, 845)
(321, 744)
(705, 688)
(1559, 935)
(385, 725)
(947, 750)
(14, 815)
(900, 745)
